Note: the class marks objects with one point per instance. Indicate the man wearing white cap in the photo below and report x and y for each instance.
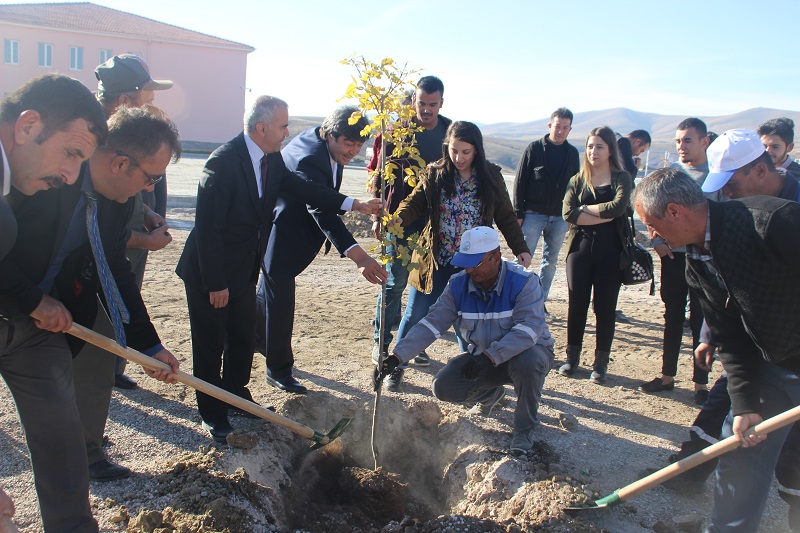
(498, 307)
(739, 166)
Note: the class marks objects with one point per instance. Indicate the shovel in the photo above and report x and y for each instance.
(668, 472)
(130, 354)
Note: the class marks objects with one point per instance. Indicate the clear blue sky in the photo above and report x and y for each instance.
(515, 61)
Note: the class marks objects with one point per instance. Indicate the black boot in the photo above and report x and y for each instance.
(600, 366)
(573, 360)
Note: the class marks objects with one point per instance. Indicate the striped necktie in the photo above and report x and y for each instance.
(116, 307)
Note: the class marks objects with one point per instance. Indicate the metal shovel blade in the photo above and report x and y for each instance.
(668, 472)
(321, 440)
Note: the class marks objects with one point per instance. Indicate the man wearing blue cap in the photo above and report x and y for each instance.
(498, 307)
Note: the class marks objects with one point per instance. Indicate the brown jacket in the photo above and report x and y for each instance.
(424, 199)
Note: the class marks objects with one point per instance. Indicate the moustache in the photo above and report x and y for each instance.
(55, 182)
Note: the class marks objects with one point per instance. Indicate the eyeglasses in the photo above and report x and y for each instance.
(482, 262)
(151, 180)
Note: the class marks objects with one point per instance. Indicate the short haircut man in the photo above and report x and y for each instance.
(539, 188)
(124, 80)
(744, 275)
(318, 155)
(48, 126)
(508, 336)
(45, 286)
(221, 260)
(691, 142)
(427, 101)
(631, 147)
(777, 135)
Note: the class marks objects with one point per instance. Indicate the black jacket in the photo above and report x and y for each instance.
(541, 189)
(232, 224)
(43, 220)
(754, 246)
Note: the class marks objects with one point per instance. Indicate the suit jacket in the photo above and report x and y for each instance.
(232, 224)
(300, 229)
(8, 224)
(43, 221)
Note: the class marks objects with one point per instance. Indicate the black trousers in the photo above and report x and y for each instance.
(222, 347)
(593, 266)
(277, 312)
(674, 291)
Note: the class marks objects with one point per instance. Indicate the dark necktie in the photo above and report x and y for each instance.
(116, 307)
(264, 178)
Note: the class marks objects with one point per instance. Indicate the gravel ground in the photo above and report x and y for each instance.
(457, 474)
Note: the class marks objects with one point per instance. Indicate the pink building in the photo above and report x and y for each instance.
(207, 100)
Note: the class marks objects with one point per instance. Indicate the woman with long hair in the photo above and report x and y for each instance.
(459, 192)
(595, 205)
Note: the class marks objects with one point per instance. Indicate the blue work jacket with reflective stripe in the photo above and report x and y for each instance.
(509, 321)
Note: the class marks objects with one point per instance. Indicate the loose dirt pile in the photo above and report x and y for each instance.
(445, 470)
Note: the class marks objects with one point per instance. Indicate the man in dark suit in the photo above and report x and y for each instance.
(223, 253)
(58, 124)
(317, 155)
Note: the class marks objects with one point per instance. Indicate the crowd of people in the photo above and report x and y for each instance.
(84, 201)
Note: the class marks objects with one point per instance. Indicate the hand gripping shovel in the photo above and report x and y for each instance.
(130, 354)
(668, 472)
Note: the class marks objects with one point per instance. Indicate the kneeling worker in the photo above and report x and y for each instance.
(498, 308)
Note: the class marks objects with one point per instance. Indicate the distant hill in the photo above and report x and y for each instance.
(505, 141)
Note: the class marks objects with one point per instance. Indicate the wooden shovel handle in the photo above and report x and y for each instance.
(7, 525)
(130, 354)
(715, 450)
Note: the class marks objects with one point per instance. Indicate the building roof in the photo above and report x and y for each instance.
(92, 18)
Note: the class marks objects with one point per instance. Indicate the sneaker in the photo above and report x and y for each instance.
(522, 442)
(700, 396)
(598, 376)
(422, 359)
(656, 385)
(485, 408)
(392, 381)
(567, 369)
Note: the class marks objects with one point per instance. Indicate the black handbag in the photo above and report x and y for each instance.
(640, 265)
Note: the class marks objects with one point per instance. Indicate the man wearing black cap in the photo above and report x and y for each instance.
(125, 80)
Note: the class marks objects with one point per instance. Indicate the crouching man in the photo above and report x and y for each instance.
(498, 307)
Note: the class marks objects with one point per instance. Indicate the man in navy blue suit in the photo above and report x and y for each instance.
(318, 155)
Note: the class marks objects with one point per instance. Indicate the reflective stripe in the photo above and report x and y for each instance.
(527, 330)
(703, 435)
(487, 316)
(787, 490)
(428, 325)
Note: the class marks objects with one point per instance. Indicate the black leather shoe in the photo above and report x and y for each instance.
(219, 431)
(121, 381)
(289, 384)
(105, 470)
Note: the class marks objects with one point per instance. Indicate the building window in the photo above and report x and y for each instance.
(105, 55)
(11, 49)
(76, 58)
(45, 55)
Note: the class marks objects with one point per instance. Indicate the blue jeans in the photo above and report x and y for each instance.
(534, 225)
(419, 303)
(744, 475)
(395, 285)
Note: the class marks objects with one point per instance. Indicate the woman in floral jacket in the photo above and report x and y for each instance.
(460, 191)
